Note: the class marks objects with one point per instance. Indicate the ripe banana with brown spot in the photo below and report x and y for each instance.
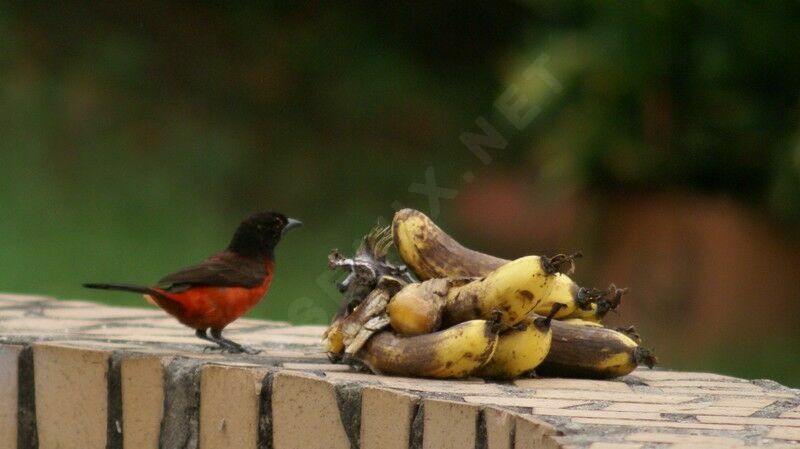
(588, 350)
(431, 253)
(452, 353)
(521, 348)
(514, 289)
(417, 308)
(571, 295)
(592, 314)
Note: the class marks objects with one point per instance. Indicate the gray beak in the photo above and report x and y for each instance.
(291, 224)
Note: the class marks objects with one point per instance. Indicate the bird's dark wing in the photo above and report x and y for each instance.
(222, 270)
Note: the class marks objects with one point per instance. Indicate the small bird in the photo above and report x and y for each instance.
(209, 296)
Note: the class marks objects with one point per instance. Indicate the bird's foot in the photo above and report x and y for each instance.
(248, 350)
(229, 346)
(230, 349)
(236, 348)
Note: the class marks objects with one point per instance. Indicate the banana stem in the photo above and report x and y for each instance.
(543, 323)
(553, 311)
(587, 296)
(560, 263)
(614, 295)
(367, 268)
(644, 356)
(377, 242)
(496, 321)
(610, 300)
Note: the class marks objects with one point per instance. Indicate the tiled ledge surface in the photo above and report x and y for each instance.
(83, 375)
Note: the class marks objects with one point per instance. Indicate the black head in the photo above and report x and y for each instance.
(259, 233)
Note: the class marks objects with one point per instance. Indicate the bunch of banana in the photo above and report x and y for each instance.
(470, 311)
(443, 327)
(581, 345)
(472, 314)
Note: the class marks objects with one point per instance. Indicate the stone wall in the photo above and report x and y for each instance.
(82, 375)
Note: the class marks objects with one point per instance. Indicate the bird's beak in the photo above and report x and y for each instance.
(291, 223)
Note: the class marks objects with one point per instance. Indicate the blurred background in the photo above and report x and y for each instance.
(661, 138)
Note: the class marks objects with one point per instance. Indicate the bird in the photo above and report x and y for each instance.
(209, 296)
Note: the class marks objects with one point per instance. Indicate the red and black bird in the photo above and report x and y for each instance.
(209, 296)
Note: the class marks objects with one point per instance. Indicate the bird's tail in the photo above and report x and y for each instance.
(129, 288)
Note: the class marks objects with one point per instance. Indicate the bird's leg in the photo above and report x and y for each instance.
(230, 345)
(222, 344)
(201, 333)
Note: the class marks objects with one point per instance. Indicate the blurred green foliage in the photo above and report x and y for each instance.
(672, 95)
(136, 136)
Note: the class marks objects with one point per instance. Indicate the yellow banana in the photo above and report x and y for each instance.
(417, 308)
(520, 349)
(514, 290)
(451, 353)
(590, 315)
(431, 253)
(592, 351)
(565, 291)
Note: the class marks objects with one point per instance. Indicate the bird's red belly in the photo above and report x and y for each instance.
(216, 307)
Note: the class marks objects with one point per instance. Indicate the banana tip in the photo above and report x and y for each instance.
(645, 357)
(560, 263)
(402, 214)
(614, 295)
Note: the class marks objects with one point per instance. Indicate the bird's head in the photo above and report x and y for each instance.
(259, 233)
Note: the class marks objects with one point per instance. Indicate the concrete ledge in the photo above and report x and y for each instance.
(83, 375)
